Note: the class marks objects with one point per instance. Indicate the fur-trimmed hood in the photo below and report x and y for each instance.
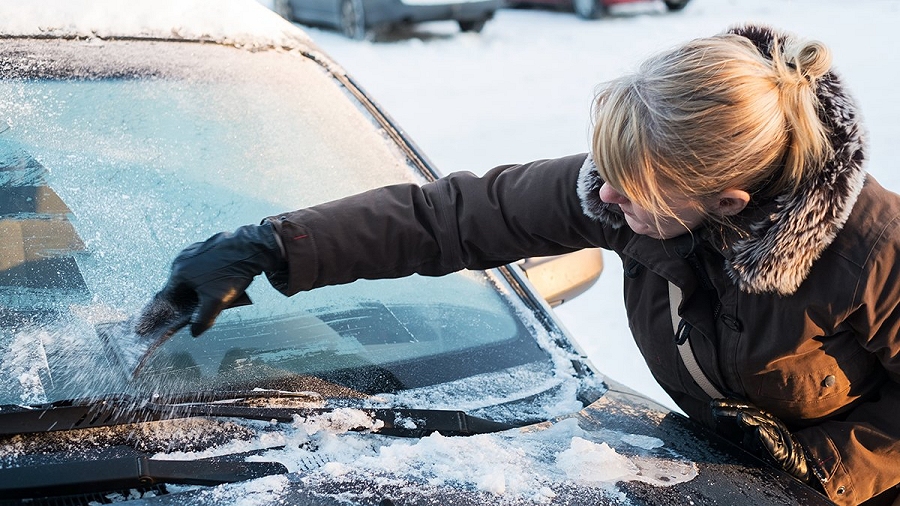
(778, 247)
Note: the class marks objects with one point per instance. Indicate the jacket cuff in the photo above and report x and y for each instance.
(301, 260)
(827, 466)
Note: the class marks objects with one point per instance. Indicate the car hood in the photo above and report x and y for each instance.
(242, 23)
(620, 449)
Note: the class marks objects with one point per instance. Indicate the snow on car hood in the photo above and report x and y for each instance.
(243, 23)
(529, 464)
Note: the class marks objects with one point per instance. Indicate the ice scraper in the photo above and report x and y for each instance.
(131, 343)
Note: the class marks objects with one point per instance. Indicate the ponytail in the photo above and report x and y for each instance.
(798, 65)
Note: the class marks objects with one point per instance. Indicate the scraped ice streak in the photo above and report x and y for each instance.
(25, 362)
(61, 359)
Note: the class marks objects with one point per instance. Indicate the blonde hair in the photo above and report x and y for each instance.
(710, 115)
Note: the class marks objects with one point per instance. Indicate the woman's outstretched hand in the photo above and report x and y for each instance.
(210, 276)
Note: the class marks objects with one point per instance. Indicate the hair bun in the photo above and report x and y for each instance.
(812, 59)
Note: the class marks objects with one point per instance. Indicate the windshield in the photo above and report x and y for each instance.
(116, 155)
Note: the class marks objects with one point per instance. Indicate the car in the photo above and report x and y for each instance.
(357, 18)
(592, 9)
(130, 130)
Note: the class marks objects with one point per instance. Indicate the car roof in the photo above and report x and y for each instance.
(241, 23)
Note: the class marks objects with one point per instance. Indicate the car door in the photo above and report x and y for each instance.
(318, 11)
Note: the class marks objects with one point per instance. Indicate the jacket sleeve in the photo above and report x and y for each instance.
(457, 222)
(859, 452)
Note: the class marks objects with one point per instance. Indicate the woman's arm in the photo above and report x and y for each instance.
(457, 222)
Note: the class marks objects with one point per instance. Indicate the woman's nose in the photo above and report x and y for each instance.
(610, 195)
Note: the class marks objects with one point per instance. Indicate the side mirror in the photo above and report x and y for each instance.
(561, 278)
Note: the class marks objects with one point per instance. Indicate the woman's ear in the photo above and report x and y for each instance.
(730, 202)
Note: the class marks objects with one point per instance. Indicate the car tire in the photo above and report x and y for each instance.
(472, 25)
(675, 5)
(588, 9)
(283, 8)
(353, 19)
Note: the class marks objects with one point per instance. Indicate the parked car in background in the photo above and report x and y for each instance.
(357, 18)
(592, 9)
(132, 129)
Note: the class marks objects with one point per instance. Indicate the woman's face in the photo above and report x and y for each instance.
(643, 222)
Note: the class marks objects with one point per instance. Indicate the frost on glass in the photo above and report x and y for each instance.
(103, 181)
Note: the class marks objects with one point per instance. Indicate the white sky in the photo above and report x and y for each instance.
(521, 90)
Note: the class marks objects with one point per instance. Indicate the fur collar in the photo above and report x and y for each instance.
(779, 245)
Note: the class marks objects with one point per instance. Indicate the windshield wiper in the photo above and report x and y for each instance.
(129, 470)
(87, 413)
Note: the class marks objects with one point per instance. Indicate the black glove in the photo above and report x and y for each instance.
(765, 435)
(208, 277)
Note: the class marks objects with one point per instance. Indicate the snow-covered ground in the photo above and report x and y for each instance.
(521, 90)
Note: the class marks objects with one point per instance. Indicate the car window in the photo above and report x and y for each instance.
(115, 155)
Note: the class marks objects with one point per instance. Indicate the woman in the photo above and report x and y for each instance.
(727, 174)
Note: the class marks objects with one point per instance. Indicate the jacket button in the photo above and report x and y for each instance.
(829, 381)
(840, 491)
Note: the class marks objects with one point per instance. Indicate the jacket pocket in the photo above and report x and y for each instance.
(816, 384)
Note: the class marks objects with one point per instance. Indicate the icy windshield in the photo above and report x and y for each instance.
(114, 156)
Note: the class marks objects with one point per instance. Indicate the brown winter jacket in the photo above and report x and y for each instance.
(798, 314)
